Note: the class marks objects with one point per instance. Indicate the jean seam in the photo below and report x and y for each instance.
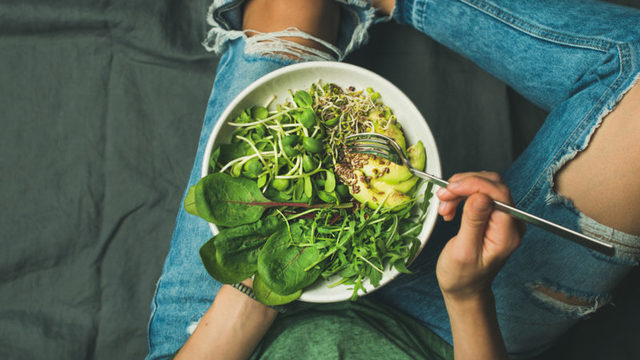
(154, 302)
(223, 65)
(418, 13)
(539, 31)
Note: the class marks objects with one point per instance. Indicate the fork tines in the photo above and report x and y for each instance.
(369, 143)
(372, 137)
(368, 151)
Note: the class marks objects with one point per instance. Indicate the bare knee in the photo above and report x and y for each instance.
(318, 18)
(385, 6)
(603, 181)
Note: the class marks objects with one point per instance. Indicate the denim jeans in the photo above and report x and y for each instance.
(575, 59)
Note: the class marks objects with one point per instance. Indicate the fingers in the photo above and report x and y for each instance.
(462, 185)
(475, 216)
(465, 184)
(489, 175)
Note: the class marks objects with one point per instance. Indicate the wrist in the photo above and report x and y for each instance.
(246, 288)
(474, 326)
(472, 299)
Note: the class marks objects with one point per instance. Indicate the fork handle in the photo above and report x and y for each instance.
(578, 238)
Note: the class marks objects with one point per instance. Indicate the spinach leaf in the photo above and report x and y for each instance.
(227, 238)
(232, 255)
(224, 200)
(281, 265)
(190, 202)
(233, 266)
(268, 297)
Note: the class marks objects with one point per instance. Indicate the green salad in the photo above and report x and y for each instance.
(293, 206)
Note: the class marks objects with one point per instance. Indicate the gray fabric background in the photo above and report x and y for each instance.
(101, 103)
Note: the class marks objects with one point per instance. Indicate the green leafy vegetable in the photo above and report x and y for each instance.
(330, 183)
(281, 164)
(268, 297)
(302, 98)
(229, 152)
(232, 255)
(259, 112)
(190, 202)
(308, 118)
(223, 200)
(312, 145)
(282, 265)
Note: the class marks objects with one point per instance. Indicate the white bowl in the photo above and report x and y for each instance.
(301, 76)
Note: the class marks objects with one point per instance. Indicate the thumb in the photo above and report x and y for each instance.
(475, 215)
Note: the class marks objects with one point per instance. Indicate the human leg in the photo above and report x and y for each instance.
(185, 291)
(576, 59)
(610, 164)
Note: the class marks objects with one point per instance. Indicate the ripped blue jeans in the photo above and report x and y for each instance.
(573, 58)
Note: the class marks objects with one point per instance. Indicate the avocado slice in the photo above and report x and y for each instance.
(417, 156)
(404, 187)
(385, 170)
(393, 130)
(364, 193)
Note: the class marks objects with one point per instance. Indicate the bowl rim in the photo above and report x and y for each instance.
(433, 156)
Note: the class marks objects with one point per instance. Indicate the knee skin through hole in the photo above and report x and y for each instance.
(384, 6)
(562, 297)
(603, 180)
(319, 18)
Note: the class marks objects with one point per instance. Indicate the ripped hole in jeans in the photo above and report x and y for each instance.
(281, 43)
(567, 301)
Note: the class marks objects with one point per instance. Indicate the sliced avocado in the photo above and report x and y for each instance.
(384, 170)
(365, 194)
(396, 200)
(393, 130)
(403, 187)
(417, 156)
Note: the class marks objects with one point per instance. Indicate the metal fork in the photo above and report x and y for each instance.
(385, 147)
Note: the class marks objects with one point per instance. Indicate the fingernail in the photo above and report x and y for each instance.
(441, 192)
(442, 206)
(453, 185)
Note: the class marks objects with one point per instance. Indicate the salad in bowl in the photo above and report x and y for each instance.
(291, 208)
